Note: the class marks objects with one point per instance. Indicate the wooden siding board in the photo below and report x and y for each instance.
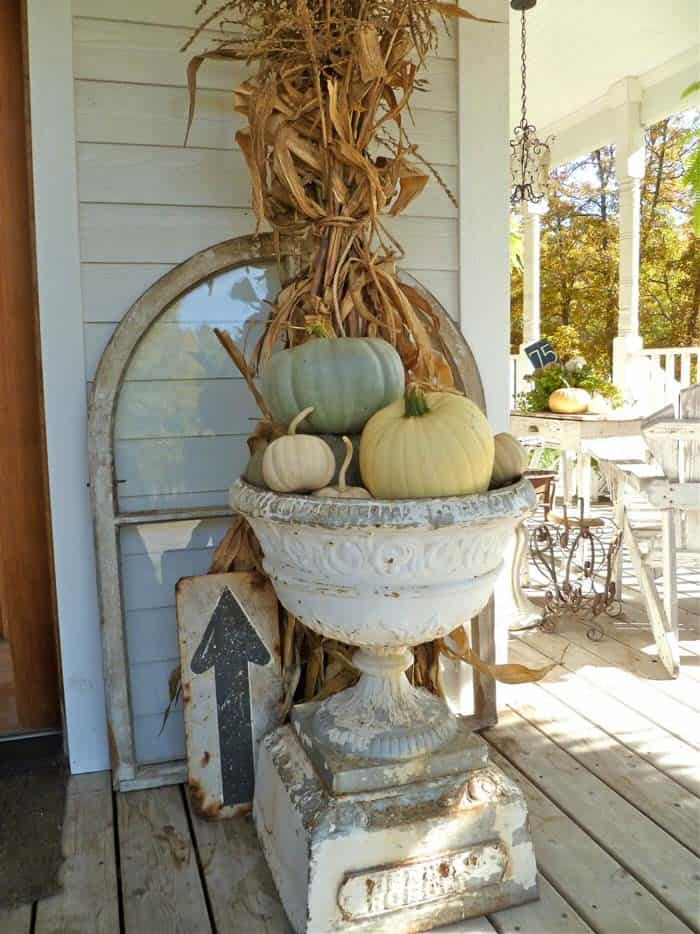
(124, 233)
(179, 13)
(149, 54)
(109, 289)
(121, 173)
(156, 115)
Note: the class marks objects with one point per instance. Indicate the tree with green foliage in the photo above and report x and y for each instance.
(579, 251)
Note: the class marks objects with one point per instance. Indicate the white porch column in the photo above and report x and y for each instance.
(531, 214)
(629, 164)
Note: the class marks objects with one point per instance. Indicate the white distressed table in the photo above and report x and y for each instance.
(569, 433)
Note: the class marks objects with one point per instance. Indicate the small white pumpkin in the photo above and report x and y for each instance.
(297, 463)
(509, 462)
(343, 491)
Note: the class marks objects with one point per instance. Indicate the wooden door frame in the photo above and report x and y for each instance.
(57, 245)
(26, 561)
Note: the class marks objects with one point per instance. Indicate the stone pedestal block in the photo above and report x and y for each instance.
(408, 857)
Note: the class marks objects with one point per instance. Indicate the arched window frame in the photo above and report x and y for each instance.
(127, 772)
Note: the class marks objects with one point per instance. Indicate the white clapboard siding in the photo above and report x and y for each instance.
(118, 173)
(170, 234)
(171, 357)
(153, 115)
(177, 408)
(152, 634)
(145, 54)
(153, 558)
(156, 538)
(150, 690)
(189, 501)
(157, 116)
(164, 234)
(155, 741)
(169, 466)
(180, 13)
(149, 580)
(109, 290)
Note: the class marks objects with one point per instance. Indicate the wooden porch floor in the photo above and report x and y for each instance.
(606, 750)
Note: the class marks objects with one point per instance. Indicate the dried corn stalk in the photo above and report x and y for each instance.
(329, 155)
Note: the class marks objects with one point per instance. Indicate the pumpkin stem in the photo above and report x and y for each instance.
(316, 326)
(294, 424)
(342, 485)
(415, 402)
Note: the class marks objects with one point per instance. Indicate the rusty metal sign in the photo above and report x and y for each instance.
(229, 648)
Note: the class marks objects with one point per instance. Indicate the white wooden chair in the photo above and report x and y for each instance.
(657, 504)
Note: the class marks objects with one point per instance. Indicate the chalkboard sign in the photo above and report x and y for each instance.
(541, 352)
(231, 684)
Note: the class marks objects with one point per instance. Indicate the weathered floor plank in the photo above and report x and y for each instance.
(648, 670)
(551, 914)
(668, 754)
(636, 693)
(660, 863)
(161, 889)
(241, 891)
(634, 631)
(16, 920)
(598, 888)
(89, 900)
(662, 800)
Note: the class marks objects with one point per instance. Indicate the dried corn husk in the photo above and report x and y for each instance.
(328, 154)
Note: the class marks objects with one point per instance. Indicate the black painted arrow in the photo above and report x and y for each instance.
(228, 644)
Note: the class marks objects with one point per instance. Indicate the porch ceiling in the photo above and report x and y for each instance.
(576, 51)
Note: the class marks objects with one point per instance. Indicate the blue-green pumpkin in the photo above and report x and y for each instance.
(345, 379)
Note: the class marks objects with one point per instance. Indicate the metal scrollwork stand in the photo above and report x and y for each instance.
(577, 557)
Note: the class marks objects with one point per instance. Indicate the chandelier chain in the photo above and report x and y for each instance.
(529, 157)
(523, 69)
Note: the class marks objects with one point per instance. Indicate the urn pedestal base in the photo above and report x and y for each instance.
(428, 850)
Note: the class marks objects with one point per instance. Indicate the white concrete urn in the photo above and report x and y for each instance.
(383, 576)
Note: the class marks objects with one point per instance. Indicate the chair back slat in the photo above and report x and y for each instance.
(665, 450)
(689, 456)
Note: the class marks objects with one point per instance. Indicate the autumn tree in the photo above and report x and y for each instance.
(579, 265)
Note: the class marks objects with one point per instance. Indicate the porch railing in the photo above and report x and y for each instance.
(671, 369)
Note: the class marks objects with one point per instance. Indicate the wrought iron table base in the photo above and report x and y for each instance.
(577, 559)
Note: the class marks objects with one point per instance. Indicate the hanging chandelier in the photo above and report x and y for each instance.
(529, 157)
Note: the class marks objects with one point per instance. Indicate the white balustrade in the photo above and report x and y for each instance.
(671, 369)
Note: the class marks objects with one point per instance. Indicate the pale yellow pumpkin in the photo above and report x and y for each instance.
(569, 401)
(297, 463)
(427, 444)
(510, 460)
(342, 490)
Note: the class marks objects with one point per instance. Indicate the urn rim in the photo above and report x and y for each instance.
(509, 502)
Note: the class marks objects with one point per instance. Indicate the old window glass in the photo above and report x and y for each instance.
(183, 416)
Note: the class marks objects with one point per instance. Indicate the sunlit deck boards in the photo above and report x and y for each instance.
(605, 748)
